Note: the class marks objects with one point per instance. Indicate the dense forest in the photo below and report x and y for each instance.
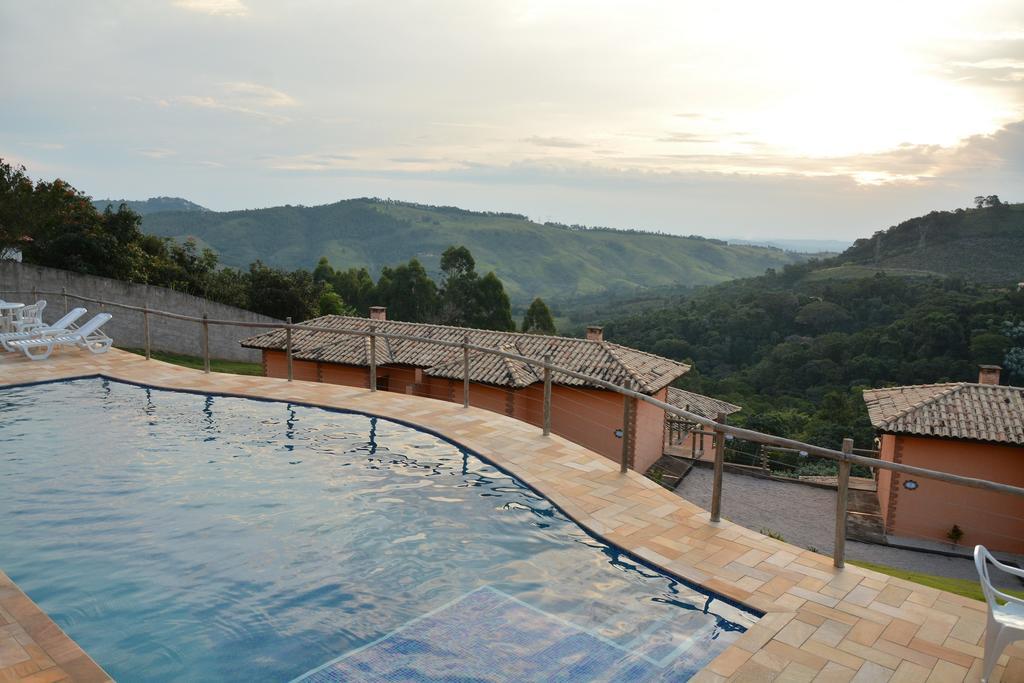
(533, 259)
(796, 349)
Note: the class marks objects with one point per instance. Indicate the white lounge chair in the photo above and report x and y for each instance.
(29, 317)
(88, 336)
(1005, 621)
(59, 327)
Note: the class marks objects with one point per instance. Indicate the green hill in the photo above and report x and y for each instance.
(982, 245)
(532, 259)
(151, 205)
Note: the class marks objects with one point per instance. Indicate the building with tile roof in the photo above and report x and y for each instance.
(581, 411)
(688, 440)
(705, 406)
(971, 429)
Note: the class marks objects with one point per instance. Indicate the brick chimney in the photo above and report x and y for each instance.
(595, 333)
(378, 313)
(988, 374)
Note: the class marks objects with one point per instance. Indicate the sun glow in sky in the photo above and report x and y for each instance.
(728, 119)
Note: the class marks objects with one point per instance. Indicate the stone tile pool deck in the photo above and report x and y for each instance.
(820, 623)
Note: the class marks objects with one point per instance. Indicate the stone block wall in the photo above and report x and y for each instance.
(17, 281)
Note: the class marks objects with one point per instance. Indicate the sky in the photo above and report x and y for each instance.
(728, 119)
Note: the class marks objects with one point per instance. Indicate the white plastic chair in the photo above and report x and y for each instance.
(59, 327)
(1005, 621)
(29, 317)
(88, 337)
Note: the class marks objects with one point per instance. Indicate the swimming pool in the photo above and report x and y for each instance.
(181, 536)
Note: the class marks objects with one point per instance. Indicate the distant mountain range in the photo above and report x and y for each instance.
(808, 246)
(151, 205)
(550, 260)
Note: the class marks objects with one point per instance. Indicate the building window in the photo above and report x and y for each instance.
(382, 383)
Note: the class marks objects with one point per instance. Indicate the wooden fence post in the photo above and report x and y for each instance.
(206, 344)
(627, 432)
(465, 371)
(288, 346)
(716, 486)
(842, 498)
(373, 358)
(547, 395)
(145, 329)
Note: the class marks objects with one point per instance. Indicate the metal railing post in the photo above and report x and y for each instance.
(716, 486)
(206, 344)
(288, 346)
(465, 371)
(627, 433)
(145, 330)
(373, 358)
(842, 498)
(547, 395)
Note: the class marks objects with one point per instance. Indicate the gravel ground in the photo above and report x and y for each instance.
(805, 516)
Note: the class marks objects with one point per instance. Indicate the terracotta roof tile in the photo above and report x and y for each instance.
(960, 410)
(642, 371)
(705, 406)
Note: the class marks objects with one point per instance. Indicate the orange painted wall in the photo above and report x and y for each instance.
(345, 374)
(885, 491)
(650, 433)
(275, 364)
(992, 519)
(588, 417)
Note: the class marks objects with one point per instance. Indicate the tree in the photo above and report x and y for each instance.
(989, 348)
(15, 207)
(823, 316)
(468, 300)
(538, 318)
(408, 292)
(458, 296)
(493, 306)
(323, 271)
(331, 303)
(281, 294)
(989, 201)
(457, 262)
(356, 287)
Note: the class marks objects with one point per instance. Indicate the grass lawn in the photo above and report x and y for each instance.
(964, 587)
(230, 366)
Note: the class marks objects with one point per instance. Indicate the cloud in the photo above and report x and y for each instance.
(220, 8)
(251, 99)
(259, 95)
(563, 143)
(157, 153)
(686, 137)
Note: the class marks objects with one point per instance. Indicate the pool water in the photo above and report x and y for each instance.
(181, 536)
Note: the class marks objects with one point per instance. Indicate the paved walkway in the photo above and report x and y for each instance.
(820, 623)
(805, 516)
